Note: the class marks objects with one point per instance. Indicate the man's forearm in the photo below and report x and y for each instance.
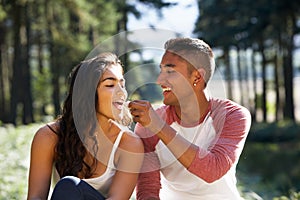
(182, 149)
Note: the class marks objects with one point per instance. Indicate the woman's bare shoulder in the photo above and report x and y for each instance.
(131, 142)
(47, 133)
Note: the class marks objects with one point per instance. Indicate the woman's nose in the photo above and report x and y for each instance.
(121, 91)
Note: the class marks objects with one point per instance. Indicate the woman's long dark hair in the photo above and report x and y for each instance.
(78, 123)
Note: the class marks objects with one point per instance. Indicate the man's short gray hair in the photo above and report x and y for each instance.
(195, 51)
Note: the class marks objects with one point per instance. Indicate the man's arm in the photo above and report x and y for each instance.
(148, 184)
(212, 164)
(231, 124)
(209, 164)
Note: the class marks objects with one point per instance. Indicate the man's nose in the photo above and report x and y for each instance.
(160, 79)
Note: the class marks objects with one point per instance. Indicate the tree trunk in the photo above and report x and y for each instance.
(53, 64)
(16, 82)
(254, 77)
(277, 88)
(42, 110)
(2, 92)
(55, 78)
(26, 93)
(121, 46)
(288, 70)
(247, 89)
(278, 71)
(264, 80)
(228, 73)
(240, 78)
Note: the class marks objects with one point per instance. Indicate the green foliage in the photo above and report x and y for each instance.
(2, 13)
(226, 23)
(292, 196)
(269, 166)
(61, 33)
(14, 160)
(274, 132)
(143, 76)
(40, 81)
(258, 26)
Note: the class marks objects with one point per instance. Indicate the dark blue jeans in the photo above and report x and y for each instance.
(70, 187)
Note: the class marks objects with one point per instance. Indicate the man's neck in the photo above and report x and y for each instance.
(192, 113)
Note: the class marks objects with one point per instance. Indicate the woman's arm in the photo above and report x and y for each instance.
(129, 160)
(41, 163)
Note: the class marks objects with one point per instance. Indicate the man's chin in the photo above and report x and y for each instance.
(169, 102)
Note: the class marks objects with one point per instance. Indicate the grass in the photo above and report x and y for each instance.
(14, 160)
(15, 145)
(265, 171)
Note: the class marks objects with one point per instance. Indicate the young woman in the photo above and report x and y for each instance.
(92, 149)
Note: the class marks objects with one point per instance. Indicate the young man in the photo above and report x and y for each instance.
(193, 142)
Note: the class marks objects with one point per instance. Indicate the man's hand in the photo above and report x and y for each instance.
(143, 112)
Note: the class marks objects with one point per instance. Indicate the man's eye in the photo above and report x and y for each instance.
(109, 85)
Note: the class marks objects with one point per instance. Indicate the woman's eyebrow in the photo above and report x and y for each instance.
(113, 79)
(109, 78)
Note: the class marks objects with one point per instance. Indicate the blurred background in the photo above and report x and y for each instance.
(256, 44)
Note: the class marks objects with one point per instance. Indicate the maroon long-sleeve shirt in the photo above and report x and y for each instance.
(231, 123)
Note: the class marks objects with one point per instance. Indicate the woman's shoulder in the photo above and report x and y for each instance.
(131, 142)
(43, 146)
(47, 133)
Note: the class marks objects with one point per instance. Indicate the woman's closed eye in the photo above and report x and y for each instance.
(110, 85)
(112, 82)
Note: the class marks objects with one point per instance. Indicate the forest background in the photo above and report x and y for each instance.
(257, 54)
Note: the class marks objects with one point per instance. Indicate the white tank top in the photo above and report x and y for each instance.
(103, 182)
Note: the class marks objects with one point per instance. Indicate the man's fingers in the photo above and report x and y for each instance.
(136, 118)
(136, 112)
(139, 104)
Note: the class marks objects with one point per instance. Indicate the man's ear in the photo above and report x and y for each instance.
(202, 73)
(199, 74)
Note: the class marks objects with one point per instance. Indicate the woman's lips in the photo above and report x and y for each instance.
(119, 105)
